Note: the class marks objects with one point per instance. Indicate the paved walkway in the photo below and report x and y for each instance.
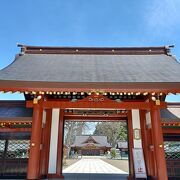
(93, 166)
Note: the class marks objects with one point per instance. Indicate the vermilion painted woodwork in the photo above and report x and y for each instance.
(131, 145)
(94, 50)
(169, 123)
(151, 154)
(16, 119)
(34, 155)
(15, 129)
(60, 144)
(46, 144)
(145, 140)
(158, 143)
(171, 131)
(96, 115)
(43, 152)
(110, 104)
(94, 118)
(86, 87)
(48, 136)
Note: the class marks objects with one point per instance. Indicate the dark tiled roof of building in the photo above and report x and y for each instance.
(14, 110)
(67, 65)
(122, 144)
(100, 141)
(171, 114)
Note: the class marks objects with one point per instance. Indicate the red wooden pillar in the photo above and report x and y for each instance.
(158, 143)
(144, 139)
(34, 155)
(146, 144)
(131, 145)
(46, 144)
(151, 154)
(60, 144)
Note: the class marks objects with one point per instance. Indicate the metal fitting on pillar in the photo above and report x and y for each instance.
(35, 100)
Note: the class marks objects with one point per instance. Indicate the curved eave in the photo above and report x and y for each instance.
(22, 86)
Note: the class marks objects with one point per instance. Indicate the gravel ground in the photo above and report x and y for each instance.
(120, 164)
(70, 162)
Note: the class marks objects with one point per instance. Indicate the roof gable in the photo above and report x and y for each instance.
(90, 139)
(98, 140)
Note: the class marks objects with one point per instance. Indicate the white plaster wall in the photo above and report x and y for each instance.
(53, 141)
(136, 124)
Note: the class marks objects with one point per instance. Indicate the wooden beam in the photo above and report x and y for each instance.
(164, 87)
(170, 122)
(15, 129)
(96, 115)
(102, 105)
(16, 119)
(171, 130)
(93, 50)
(94, 118)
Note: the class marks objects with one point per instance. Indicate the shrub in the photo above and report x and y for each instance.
(113, 153)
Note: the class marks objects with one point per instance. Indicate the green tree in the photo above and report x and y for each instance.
(113, 130)
(73, 129)
(122, 135)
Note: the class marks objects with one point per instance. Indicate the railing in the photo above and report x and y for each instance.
(13, 157)
(172, 153)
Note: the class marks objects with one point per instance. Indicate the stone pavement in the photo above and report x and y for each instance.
(93, 166)
(93, 169)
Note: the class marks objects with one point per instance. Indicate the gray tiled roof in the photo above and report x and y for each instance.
(100, 141)
(168, 115)
(92, 68)
(14, 109)
(122, 144)
(13, 112)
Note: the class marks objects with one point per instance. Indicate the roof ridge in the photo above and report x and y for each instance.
(26, 49)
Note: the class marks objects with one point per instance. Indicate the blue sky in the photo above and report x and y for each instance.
(87, 23)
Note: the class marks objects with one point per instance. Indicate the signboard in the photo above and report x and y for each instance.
(139, 165)
(137, 134)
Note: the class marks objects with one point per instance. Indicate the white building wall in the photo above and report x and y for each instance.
(53, 141)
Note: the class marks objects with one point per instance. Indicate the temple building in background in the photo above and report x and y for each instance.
(91, 145)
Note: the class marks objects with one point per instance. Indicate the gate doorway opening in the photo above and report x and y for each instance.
(95, 145)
